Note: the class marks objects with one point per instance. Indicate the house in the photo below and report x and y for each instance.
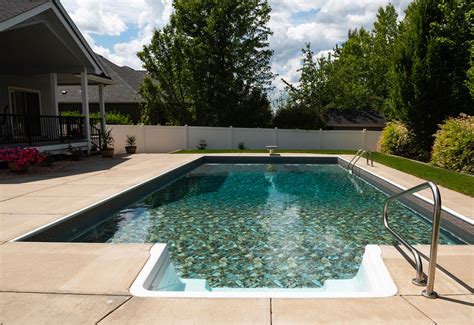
(41, 51)
(356, 120)
(122, 96)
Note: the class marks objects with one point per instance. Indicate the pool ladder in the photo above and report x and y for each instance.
(360, 153)
(420, 278)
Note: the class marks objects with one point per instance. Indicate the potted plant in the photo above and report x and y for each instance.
(202, 145)
(131, 147)
(74, 153)
(19, 159)
(108, 146)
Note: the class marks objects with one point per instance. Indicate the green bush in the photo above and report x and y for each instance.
(115, 117)
(70, 113)
(395, 139)
(454, 144)
(112, 117)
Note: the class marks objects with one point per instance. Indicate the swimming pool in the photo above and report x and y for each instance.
(264, 225)
(229, 225)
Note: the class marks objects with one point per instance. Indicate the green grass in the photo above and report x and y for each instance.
(455, 181)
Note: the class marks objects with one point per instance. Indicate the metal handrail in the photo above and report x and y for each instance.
(420, 277)
(360, 153)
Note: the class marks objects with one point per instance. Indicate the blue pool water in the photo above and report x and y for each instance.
(264, 226)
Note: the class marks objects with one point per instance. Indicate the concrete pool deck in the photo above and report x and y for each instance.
(87, 283)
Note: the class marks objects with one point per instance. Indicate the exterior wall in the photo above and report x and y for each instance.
(151, 138)
(34, 82)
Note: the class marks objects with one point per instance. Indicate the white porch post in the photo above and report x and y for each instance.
(85, 107)
(102, 108)
(53, 85)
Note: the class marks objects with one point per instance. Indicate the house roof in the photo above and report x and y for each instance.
(12, 8)
(356, 118)
(50, 41)
(124, 90)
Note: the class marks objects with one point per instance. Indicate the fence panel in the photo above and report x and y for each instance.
(151, 138)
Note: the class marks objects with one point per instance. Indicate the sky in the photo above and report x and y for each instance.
(117, 29)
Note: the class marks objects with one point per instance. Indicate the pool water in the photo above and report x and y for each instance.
(264, 226)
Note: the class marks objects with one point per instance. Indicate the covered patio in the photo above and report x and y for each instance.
(41, 50)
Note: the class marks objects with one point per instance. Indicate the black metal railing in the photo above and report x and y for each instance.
(29, 129)
(96, 133)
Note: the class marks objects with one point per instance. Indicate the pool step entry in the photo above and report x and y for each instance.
(158, 278)
(420, 278)
(360, 153)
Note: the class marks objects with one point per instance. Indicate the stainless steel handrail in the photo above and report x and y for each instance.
(420, 277)
(360, 153)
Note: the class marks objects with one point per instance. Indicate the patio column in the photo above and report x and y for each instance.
(102, 108)
(53, 85)
(85, 107)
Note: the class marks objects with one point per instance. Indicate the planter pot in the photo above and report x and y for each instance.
(131, 149)
(17, 169)
(107, 153)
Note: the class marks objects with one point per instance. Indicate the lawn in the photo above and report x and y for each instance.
(459, 182)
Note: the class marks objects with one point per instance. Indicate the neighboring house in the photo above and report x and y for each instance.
(42, 50)
(122, 96)
(356, 120)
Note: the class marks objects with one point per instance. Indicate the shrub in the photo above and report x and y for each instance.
(112, 117)
(22, 157)
(395, 139)
(70, 113)
(115, 117)
(454, 144)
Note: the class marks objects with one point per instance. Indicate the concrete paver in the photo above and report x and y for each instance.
(191, 311)
(75, 190)
(392, 310)
(46, 204)
(402, 272)
(12, 190)
(13, 225)
(34, 308)
(456, 310)
(71, 267)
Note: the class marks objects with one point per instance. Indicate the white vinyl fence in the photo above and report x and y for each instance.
(153, 138)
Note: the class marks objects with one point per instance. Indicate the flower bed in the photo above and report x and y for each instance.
(21, 158)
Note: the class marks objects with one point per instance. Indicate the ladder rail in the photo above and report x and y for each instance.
(360, 153)
(420, 277)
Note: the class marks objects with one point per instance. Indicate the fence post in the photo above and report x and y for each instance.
(320, 139)
(275, 137)
(186, 137)
(231, 138)
(143, 129)
(364, 139)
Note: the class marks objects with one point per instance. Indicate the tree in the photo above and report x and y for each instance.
(428, 78)
(384, 34)
(353, 78)
(305, 107)
(216, 61)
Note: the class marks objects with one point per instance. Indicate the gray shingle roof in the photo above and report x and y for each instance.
(12, 8)
(125, 90)
(356, 118)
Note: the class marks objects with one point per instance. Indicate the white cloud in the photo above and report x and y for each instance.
(323, 23)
